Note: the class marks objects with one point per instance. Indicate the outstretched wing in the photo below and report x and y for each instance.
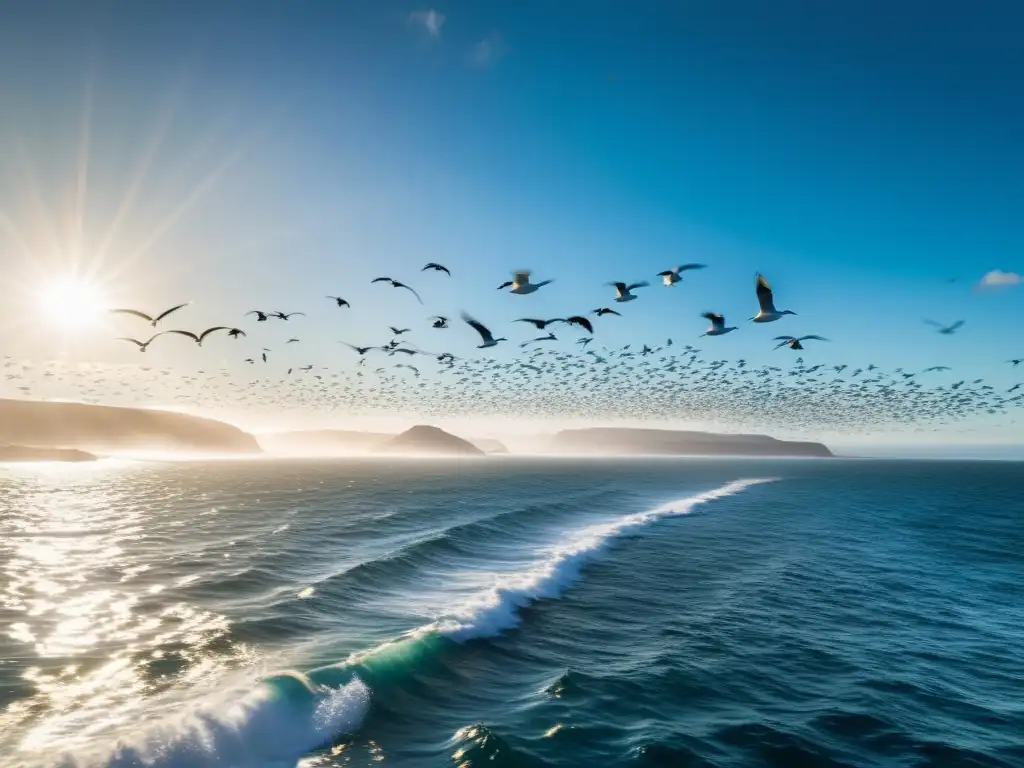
(165, 313)
(539, 324)
(620, 288)
(381, 280)
(717, 320)
(189, 334)
(477, 326)
(522, 277)
(403, 285)
(136, 342)
(135, 312)
(816, 338)
(641, 284)
(685, 267)
(208, 331)
(956, 325)
(764, 295)
(582, 322)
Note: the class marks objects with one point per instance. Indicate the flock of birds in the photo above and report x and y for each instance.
(660, 382)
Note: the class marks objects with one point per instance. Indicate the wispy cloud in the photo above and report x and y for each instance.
(488, 50)
(430, 20)
(999, 279)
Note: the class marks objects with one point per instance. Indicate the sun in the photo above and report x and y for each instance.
(72, 303)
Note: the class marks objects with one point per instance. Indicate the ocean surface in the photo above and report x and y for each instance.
(512, 612)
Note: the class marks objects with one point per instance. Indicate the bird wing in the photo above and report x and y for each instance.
(816, 338)
(764, 294)
(717, 320)
(478, 327)
(536, 323)
(382, 280)
(136, 342)
(255, 312)
(582, 322)
(641, 284)
(185, 333)
(403, 285)
(208, 331)
(684, 267)
(521, 277)
(620, 288)
(165, 313)
(933, 323)
(135, 312)
(787, 338)
(956, 325)
(667, 272)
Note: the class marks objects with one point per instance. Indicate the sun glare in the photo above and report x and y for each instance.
(72, 303)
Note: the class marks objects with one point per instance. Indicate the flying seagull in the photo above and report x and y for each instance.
(601, 311)
(485, 335)
(150, 319)
(767, 313)
(437, 268)
(201, 337)
(540, 325)
(396, 284)
(581, 321)
(792, 343)
(622, 291)
(672, 276)
(286, 315)
(945, 330)
(340, 301)
(142, 345)
(718, 327)
(521, 285)
(261, 317)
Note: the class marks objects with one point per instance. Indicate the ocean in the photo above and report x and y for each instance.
(512, 612)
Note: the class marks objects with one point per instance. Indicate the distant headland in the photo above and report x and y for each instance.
(623, 441)
(107, 429)
(23, 453)
(423, 439)
(344, 442)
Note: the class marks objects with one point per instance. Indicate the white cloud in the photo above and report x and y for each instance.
(430, 20)
(488, 50)
(999, 279)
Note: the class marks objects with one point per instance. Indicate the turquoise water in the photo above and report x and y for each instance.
(512, 612)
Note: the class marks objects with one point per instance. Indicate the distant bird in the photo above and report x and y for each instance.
(439, 322)
(937, 368)
(540, 325)
(521, 285)
(945, 330)
(236, 333)
(718, 327)
(793, 343)
(437, 268)
(399, 331)
(396, 284)
(1016, 362)
(549, 337)
(485, 335)
(581, 321)
(361, 350)
(601, 311)
(584, 341)
(151, 320)
(201, 337)
(622, 291)
(142, 345)
(1014, 388)
(286, 315)
(767, 313)
(672, 276)
(292, 341)
(340, 301)
(261, 317)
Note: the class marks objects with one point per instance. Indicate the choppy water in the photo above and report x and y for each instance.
(512, 612)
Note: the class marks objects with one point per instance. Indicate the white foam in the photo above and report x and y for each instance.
(262, 729)
(497, 609)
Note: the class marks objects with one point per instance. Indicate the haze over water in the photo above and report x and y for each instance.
(511, 612)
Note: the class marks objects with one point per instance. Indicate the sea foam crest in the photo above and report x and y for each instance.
(272, 725)
(497, 609)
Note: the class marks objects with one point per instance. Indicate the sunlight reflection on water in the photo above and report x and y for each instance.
(81, 550)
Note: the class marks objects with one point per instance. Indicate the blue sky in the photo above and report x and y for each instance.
(860, 154)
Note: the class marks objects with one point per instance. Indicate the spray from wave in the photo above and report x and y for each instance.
(291, 714)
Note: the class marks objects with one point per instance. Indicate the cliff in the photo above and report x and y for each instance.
(424, 439)
(105, 429)
(612, 441)
(12, 453)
